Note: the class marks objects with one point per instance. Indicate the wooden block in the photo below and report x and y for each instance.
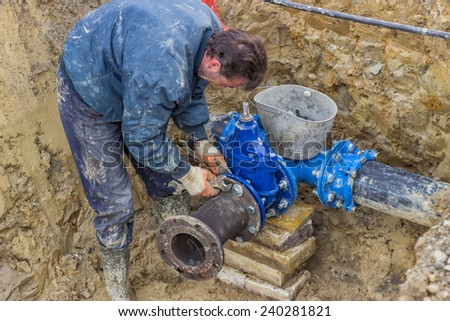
(280, 239)
(295, 217)
(252, 267)
(288, 292)
(287, 261)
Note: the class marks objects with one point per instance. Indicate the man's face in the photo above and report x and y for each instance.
(223, 82)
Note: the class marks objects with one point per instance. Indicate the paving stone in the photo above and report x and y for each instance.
(255, 268)
(294, 218)
(287, 261)
(288, 292)
(280, 239)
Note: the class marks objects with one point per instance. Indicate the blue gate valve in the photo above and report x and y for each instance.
(254, 164)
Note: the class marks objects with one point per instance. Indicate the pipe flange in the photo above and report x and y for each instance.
(339, 170)
(288, 194)
(251, 202)
(204, 259)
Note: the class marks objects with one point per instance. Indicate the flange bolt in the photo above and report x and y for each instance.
(238, 190)
(252, 229)
(330, 197)
(283, 204)
(283, 184)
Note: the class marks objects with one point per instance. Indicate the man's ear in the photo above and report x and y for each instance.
(214, 65)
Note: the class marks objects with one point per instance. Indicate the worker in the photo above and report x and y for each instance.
(127, 68)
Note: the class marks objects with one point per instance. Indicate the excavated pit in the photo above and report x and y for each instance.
(393, 94)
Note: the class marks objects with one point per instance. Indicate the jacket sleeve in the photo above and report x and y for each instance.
(192, 119)
(148, 105)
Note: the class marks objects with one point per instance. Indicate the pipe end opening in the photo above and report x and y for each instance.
(190, 247)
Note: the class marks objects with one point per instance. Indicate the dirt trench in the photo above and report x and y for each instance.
(393, 94)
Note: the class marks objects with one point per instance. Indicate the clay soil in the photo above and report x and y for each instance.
(393, 95)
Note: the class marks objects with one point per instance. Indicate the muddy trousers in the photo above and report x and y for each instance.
(98, 149)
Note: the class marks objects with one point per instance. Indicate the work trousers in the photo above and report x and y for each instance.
(98, 149)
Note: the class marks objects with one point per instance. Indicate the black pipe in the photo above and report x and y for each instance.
(398, 192)
(193, 245)
(364, 20)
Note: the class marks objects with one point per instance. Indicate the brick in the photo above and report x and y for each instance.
(288, 292)
(287, 261)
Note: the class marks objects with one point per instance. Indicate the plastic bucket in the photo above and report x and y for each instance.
(296, 118)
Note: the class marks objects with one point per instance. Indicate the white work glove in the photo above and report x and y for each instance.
(210, 156)
(196, 182)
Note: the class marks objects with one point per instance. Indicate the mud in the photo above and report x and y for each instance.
(392, 90)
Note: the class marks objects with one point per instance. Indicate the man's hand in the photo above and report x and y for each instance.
(196, 182)
(210, 156)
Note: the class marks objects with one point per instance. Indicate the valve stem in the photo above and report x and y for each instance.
(245, 116)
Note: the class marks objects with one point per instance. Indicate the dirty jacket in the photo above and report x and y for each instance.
(135, 62)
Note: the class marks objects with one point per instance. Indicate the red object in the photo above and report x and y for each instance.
(212, 5)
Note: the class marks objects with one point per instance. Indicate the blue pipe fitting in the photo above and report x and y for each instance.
(333, 173)
(253, 163)
(339, 170)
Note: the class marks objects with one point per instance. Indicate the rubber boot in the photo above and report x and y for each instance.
(164, 207)
(116, 263)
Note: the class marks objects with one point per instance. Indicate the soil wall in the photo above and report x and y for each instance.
(393, 94)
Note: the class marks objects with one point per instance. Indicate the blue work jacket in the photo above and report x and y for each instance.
(135, 62)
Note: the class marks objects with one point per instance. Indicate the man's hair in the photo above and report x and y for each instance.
(240, 54)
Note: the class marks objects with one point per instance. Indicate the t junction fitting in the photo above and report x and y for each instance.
(193, 245)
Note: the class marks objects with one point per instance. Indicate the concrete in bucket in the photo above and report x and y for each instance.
(296, 118)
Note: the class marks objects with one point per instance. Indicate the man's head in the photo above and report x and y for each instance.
(234, 58)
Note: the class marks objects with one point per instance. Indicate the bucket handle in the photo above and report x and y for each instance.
(250, 98)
